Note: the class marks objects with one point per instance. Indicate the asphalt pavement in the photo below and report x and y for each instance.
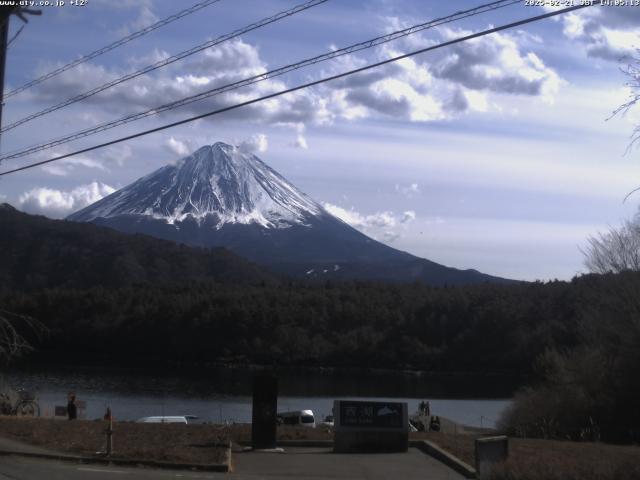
(22, 468)
(323, 464)
(314, 463)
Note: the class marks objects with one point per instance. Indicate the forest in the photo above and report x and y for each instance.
(574, 343)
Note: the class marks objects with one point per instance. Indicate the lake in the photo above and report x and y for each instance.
(224, 394)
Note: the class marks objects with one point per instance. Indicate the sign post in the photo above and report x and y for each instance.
(370, 426)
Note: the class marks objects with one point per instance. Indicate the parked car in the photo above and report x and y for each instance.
(327, 422)
(168, 419)
(304, 418)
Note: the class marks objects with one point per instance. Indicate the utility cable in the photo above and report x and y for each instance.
(166, 61)
(305, 85)
(15, 35)
(111, 46)
(258, 78)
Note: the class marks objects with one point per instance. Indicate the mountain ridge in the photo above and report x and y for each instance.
(38, 252)
(222, 196)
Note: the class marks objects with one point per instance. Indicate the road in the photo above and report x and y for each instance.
(319, 464)
(22, 468)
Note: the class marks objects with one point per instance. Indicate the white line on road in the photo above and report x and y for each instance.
(103, 470)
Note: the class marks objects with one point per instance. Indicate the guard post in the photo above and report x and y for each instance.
(108, 417)
(264, 411)
(489, 451)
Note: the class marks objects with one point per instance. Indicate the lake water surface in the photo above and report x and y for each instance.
(218, 395)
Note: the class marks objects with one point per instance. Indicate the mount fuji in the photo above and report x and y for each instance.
(223, 196)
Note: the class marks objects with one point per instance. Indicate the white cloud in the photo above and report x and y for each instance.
(408, 216)
(59, 203)
(355, 219)
(145, 18)
(63, 167)
(408, 191)
(221, 65)
(443, 84)
(609, 33)
(117, 154)
(414, 89)
(402, 90)
(495, 63)
(300, 141)
(573, 25)
(113, 155)
(179, 147)
(379, 225)
(255, 144)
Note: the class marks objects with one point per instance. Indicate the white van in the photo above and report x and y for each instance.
(303, 418)
(165, 419)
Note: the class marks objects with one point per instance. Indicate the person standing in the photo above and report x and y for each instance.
(72, 409)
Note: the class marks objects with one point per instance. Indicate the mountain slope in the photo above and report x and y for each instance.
(221, 196)
(36, 252)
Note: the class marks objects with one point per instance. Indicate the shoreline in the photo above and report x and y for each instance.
(52, 360)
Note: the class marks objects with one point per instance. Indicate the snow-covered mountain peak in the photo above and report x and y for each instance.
(218, 182)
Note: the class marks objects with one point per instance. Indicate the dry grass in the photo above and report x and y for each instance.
(564, 460)
(199, 444)
(533, 459)
(171, 442)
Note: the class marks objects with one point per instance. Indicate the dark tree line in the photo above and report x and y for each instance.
(484, 328)
(575, 343)
(590, 391)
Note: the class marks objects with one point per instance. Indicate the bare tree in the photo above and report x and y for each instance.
(619, 249)
(13, 328)
(616, 250)
(632, 72)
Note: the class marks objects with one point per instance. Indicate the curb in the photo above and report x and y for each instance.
(445, 457)
(306, 443)
(210, 467)
(297, 443)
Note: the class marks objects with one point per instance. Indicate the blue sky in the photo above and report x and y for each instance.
(494, 154)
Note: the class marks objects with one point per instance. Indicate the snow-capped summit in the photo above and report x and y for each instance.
(219, 182)
(223, 196)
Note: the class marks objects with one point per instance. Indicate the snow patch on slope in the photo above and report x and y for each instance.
(218, 182)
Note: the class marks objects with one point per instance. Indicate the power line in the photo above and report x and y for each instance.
(261, 77)
(167, 61)
(303, 86)
(15, 35)
(111, 46)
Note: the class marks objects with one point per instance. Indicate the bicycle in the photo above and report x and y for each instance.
(25, 405)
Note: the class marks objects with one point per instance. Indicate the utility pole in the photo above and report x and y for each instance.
(4, 37)
(5, 15)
